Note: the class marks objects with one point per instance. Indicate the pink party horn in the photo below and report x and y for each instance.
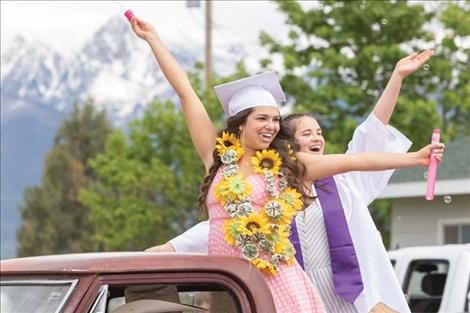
(432, 168)
(129, 15)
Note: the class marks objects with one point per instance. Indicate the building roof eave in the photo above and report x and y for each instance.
(418, 189)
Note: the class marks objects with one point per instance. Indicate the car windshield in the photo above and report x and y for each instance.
(35, 296)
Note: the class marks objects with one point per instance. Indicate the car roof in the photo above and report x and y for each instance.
(112, 262)
(448, 251)
(91, 264)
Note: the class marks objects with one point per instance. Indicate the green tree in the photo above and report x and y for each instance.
(148, 180)
(340, 55)
(53, 221)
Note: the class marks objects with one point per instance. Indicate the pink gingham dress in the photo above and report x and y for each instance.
(291, 288)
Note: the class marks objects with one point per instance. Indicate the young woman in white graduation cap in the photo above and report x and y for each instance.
(253, 188)
(356, 190)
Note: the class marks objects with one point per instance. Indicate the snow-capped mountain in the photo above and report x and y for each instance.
(114, 67)
(39, 86)
(33, 72)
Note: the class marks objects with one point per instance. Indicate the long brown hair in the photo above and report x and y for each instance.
(292, 169)
(289, 120)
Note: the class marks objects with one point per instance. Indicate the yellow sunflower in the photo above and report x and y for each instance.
(232, 188)
(266, 160)
(288, 215)
(254, 223)
(228, 142)
(289, 253)
(281, 246)
(293, 198)
(282, 239)
(231, 230)
(264, 266)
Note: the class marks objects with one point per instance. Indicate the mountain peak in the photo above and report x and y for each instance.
(112, 41)
(18, 40)
(21, 47)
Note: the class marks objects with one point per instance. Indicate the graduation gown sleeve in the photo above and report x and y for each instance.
(195, 239)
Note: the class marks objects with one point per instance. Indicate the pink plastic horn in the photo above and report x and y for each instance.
(432, 168)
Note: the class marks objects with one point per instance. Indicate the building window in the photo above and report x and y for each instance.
(457, 233)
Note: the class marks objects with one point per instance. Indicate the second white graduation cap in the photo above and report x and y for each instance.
(258, 90)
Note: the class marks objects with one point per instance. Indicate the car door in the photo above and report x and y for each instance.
(174, 292)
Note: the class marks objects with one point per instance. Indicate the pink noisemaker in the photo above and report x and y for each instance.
(129, 15)
(432, 168)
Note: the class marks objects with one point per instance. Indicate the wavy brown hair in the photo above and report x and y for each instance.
(292, 169)
(289, 121)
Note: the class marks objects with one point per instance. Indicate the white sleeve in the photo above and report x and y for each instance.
(374, 136)
(195, 239)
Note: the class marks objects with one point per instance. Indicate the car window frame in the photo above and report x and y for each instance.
(57, 281)
(466, 306)
(409, 271)
(243, 298)
(102, 295)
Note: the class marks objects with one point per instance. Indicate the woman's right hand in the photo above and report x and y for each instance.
(201, 128)
(142, 29)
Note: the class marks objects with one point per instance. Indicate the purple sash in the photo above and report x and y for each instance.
(344, 264)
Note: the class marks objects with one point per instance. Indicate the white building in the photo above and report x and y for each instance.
(418, 222)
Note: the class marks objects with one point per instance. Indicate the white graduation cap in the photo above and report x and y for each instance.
(258, 90)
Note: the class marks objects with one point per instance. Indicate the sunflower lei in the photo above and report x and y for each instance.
(252, 232)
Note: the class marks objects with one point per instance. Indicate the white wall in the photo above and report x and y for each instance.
(418, 222)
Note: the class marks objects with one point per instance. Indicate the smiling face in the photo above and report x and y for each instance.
(308, 135)
(260, 128)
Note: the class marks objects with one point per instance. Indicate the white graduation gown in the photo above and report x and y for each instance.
(356, 190)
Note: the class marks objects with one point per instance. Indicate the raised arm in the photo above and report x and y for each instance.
(374, 136)
(386, 104)
(319, 166)
(201, 128)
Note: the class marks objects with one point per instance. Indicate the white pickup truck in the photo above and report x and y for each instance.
(434, 278)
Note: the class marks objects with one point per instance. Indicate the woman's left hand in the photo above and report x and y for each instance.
(435, 150)
(412, 63)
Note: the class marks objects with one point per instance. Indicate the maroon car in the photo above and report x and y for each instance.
(132, 282)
